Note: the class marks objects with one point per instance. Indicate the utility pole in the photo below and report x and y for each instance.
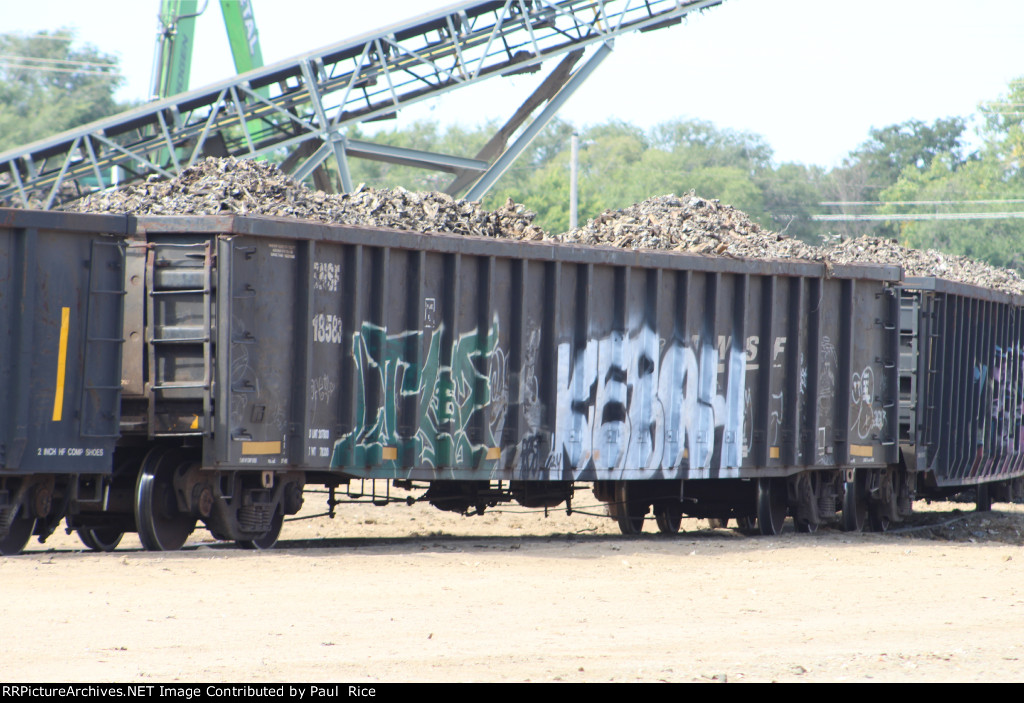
(574, 174)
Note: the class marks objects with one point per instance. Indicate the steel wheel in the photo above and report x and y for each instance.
(100, 539)
(17, 537)
(805, 526)
(269, 539)
(162, 527)
(628, 512)
(855, 503)
(669, 518)
(881, 509)
(772, 505)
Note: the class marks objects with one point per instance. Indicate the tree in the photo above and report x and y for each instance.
(48, 86)
(977, 183)
(999, 241)
(791, 193)
(699, 144)
(890, 150)
(878, 163)
(619, 164)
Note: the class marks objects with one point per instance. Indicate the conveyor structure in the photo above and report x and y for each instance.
(305, 104)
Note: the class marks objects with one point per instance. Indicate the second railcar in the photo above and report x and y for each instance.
(962, 390)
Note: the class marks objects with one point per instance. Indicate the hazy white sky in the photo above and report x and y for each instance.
(811, 76)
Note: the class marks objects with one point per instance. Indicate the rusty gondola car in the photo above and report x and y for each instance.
(211, 367)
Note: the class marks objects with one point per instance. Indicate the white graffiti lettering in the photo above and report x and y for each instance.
(623, 405)
(326, 276)
(862, 396)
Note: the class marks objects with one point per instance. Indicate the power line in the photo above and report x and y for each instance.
(71, 62)
(54, 69)
(51, 37)
(843, 203)
(921, 216)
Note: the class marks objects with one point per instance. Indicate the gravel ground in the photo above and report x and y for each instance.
(416, 594)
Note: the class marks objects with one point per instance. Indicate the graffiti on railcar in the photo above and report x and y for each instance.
(463, 389)
(1006, 432)
(321, 388)
(867, 418)
(828, 359)
(326, 276)
(527, 462)
(243, 375)
(625, 403)
(393, 370)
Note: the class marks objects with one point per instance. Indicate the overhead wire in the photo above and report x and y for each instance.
(70, 62)
(54, 69)
(844, 203)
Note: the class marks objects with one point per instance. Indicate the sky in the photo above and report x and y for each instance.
(810, 76)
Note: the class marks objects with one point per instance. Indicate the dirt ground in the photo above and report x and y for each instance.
(415, 594)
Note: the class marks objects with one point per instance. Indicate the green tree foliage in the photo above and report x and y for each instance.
(981, 183)
(47, 86)
(999, 241)
(791, 193)
(891, 150)
(878, 163)
(619, 164)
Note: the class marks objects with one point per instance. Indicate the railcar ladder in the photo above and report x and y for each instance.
(101, 385)
(161, 382)
(910, 310)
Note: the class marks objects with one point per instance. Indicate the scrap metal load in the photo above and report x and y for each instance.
(686, 223)
(231, 337)
(230, 187)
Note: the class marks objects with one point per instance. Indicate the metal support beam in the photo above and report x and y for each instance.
(314, 97)
(496, 145)
(487, 180)
(414, 157)
(339, 144)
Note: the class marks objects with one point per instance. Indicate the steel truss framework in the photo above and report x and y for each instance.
(303, 105)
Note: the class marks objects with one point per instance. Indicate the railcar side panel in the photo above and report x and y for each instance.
(968, 421)
(383, 354)
(61, 294)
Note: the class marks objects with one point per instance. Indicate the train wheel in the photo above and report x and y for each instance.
(100, 539)
(268, 540)
(747, 524)
(881, 509)
(17, 537)
(805, 526)
(669, 518)
(855, 505)
(627, 511)
(984, 499)
(162, 527)
(771, 505)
